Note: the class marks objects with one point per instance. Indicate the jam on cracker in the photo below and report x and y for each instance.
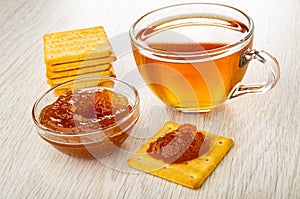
(178, 146)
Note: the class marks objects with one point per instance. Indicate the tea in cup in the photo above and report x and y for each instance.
(194, 56)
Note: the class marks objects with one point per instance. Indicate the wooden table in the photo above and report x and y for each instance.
(264, 162)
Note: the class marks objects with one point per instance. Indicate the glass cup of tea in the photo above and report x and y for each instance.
(194, 56)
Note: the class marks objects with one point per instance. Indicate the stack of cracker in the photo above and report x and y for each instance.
(77, 54)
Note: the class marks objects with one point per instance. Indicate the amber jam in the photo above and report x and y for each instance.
(88, 123)
(180, 145)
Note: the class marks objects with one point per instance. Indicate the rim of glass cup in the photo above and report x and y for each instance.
(60, 134)
(207, 52)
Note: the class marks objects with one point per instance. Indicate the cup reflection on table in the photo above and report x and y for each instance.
(194, 56)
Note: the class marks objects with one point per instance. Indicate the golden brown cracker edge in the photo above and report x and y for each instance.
(108, 73)
(74, 72)
(80, 64)
(190, 173)
(83, 84)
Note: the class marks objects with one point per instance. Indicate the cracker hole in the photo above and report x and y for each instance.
(186, 163)
(165, 167)
(192, 176)
(220, 142)
(206, 159)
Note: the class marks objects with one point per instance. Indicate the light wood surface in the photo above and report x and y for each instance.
(263, 163)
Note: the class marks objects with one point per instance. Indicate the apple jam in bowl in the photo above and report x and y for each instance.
(87, 118)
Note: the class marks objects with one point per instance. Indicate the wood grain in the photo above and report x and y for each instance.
(263, 163)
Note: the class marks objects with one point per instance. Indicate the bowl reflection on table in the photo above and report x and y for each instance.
(98, 140)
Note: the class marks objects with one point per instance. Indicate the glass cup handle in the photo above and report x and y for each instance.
(272, 68)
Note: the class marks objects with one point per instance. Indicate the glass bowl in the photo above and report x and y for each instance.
(102, 137)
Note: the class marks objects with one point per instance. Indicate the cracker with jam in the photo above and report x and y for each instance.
(181, 154)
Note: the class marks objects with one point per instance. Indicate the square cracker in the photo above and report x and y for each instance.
(74, 45)
(80, 71)
(80, 64)
(190, 173)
